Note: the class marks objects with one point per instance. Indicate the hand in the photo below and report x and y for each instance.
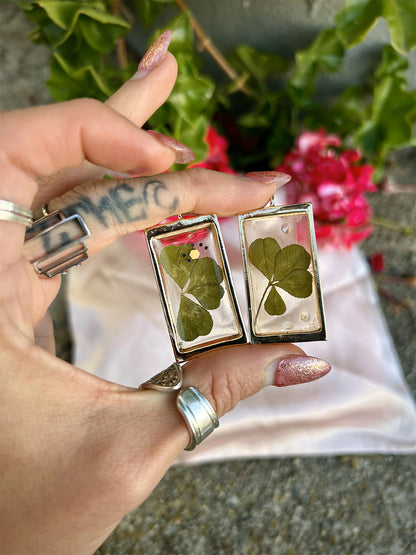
(76, 452)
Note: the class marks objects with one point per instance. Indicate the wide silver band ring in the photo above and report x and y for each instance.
(11, 212)
(56, 242)
(198, 414)
(196, 410)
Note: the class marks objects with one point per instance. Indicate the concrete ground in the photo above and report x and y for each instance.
(317, 505)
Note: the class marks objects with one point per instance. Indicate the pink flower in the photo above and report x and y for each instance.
(377, 262)
(217, 158)
(335, 182)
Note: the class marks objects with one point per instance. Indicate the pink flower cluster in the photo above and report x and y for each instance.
(217, 158)
(334, 182)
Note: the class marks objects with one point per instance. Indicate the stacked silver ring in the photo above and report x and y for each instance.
(198, 413)
(196, 410)
(11, 212)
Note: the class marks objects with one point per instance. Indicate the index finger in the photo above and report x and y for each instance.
(43, 140)
(111, 208)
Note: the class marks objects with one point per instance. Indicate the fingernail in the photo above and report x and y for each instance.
(154, 56)
(277, 178)
(294, 370)
(184, 155)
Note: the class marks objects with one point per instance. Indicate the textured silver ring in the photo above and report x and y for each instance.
(11, 212)
(198, 414)
(168, 380)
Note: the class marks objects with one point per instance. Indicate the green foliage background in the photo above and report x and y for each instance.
(377, 117)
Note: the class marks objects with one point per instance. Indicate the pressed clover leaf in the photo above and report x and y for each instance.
(199, 277)
(274, 304)
(285, 268)
(262, 254)
(177, 263)
(205, 282)
(193, 320)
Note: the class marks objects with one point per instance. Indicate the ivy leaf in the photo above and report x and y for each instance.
(177, 263)
(67, 82)
(389, 125)
(274, 304)
(357, 17)
(259, 65)
(193, 320)
(105, 27)
(205, 282)
(298, 283)
(401, 18)
(148, 10)
(262, 254)
(393, 65)
(292, 257)
(326, 53)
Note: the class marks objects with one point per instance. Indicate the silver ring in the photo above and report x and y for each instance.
(11, 212)
(55, 242)
(198, 414)
(168, 380)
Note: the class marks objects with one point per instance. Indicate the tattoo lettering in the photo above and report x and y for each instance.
(123, 203)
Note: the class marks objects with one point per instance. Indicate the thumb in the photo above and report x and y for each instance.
(231, 375)
(224, 377)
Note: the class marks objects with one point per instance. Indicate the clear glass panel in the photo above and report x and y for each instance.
(281, 273)
(196, 287)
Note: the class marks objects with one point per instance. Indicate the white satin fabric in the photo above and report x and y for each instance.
(362, 406)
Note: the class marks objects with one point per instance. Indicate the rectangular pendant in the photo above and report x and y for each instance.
(195, 285)
(281, 275)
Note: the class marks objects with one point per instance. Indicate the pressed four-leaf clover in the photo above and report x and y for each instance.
(199, 278)
(285, 268)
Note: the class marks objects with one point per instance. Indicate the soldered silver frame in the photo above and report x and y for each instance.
(177, 227)
(292, 336)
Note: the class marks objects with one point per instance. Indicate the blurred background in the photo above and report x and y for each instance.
(343, 504)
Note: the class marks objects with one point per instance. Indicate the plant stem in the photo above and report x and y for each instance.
(408, 231)
(207, 44)
(121, 48)
(261, 302)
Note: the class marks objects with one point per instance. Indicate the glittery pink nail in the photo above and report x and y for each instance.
(277, 178)
(184, 155)
(154, 56)
(296, 370)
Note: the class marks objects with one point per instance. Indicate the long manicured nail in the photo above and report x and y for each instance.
(294, 370)
(184, 155)
(154, 56)
(277, 178)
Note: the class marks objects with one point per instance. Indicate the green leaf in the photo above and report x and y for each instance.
(357, 17)
(390, 124)
(148, 10)
(297, 283)
(326, 53)
(205, 281)
(193, 320)
(401, 20)
(65, 16)
(259, 65)
(262, 254)
(274, 304)
(393, 65)
(177, 263)
(292, 257)
(82, 81)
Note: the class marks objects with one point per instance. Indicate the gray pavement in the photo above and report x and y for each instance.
(298, 505)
